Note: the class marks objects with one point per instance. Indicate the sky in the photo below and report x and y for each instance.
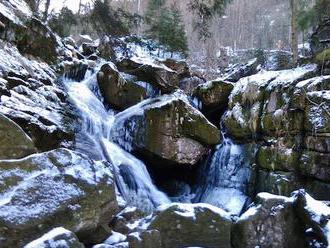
(71, 4)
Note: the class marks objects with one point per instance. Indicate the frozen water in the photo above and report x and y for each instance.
(132, 178)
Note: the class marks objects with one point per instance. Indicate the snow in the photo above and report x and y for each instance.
(14, 10)
(57, 237)
(312, 83)
(188, 210)
(115, 238)
(317, 209)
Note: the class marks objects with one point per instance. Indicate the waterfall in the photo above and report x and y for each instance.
(133, 181)
(227, 176)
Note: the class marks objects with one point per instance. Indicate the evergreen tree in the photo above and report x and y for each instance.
(205, 11)
(107, 21)
(166, 26)
(63, 22)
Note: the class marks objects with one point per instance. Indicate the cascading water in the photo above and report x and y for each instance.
(132, 178)
(226, 178)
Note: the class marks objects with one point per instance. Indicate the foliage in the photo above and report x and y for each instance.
(205, 11)
(63, 22)
(311, 15)
(107, 21)
(166, 26)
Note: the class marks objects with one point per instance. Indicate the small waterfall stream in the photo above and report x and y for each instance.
(226, 177)
(132, 178)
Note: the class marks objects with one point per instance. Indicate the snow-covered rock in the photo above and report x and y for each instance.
(57, 188)
(184, 225)
(166, 128)
(56, 238)
(122, 90)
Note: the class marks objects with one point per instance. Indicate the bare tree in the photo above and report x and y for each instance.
(47, 4)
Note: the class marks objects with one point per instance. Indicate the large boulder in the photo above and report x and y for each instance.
(147, 69)
(35, 101)
(212, 98)
(184, 225)
(260, 104)
(165, 129)
(271, 222)
(14, 142)
(320, 39)
(122, 91)
(57, 238)
(57, 188)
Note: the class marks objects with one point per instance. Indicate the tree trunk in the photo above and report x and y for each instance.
(294, 31)
(46, 10)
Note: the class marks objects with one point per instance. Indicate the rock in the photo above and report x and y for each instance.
(57, 238)
(184, 225)
(180, 67)
(189, 84)
(159, 75)
(213, 98)
(35, 101)
(260, 104)
(318, 144)
(281, 155)
(88, 49)
(241, 70)
(271, 222)
(37, 39)
(283, 183)
(316, 165)
(315, 216)
(14, 143)
(166, 129)
(57, 188)
(147, 239)
(119, 92)
(320, 39)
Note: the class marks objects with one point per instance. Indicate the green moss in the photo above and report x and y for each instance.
(323, 56)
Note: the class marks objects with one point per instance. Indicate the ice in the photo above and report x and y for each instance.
(94, 139)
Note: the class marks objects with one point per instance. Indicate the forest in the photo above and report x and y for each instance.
(164, 124)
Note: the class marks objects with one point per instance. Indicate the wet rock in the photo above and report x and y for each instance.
(166, 128)
(122, 91)
(184, 225)
(57, 238)
(57, 188)
(159, 75)
(14, 143)
(271, 222)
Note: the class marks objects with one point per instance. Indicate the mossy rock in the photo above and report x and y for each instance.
(185, 225)
(323, 56)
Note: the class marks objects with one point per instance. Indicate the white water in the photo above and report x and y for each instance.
(225, 178)
(94, 139)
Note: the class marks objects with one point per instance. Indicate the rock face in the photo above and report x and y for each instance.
(159, 75)
(57, 188)
(57, 238)
(14, 143)
(121, 92)
(32, 98)
(184, 225)
(166, 128)
(212, 98)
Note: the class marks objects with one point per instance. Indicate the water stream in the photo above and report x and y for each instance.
(133, 181)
